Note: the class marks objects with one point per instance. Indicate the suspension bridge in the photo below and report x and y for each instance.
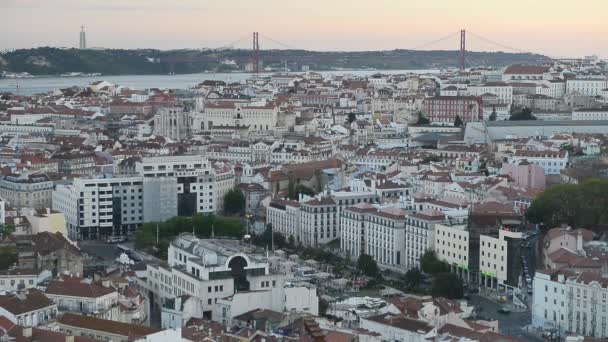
(256, 55)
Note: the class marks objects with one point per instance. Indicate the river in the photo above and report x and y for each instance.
(34, 85)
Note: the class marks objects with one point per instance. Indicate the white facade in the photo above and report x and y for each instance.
(493, 255)
(420, 235)
(586, 86)
(214, 272)
(590, 114)
(503, 91)
(284, 217)
(90, 210)
(452, 245)
(551, 161)
(256, 115)
(571, 303)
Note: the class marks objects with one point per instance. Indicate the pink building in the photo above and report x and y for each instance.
(525, 174)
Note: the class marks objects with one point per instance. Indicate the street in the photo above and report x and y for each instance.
(510, 324)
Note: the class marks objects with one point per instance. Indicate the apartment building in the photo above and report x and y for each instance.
(97, 208)
(284, 215)
(551, 161)
(571, 303)
(420, 235)
(200, 188)
(375, 231)
(591, 86)
(28, 308)
(452, 246)
(499, 263)
(319, 221)
(85, 297)
(443, 110)
(27, 190)
(502, 91)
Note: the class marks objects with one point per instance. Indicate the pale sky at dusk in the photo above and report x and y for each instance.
(553, 27)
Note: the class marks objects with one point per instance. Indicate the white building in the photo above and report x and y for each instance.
(586, 86)
(499, 260)
(551, 161)
(199, 187)
(567, 302)
(452, 246)
(259, 116)
(82, 296)
(590, 114)
(284, 216)
(420, 235)
(28, 308)
(16, 279)
(96, 208)
(502, 91)
(398, 328)
(212, 272)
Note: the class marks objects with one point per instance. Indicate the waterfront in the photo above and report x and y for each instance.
(34, 85)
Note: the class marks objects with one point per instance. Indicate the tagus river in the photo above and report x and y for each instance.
(34, 85)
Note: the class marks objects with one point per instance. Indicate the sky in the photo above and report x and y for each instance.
(557, 28)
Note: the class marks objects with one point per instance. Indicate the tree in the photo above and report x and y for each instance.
(578, 205)
(493, 115)
(368, 265)
(447, 285)
(352, 117)
(521, 113)
(291, 242)
(8, 230)
(458, 121)
(431, 265)
(234, 202)
(422, 120)
(412, 278)
(8, 257)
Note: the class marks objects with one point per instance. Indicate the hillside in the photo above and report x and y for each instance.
(53, 61)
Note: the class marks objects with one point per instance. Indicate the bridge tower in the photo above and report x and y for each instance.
(463, 49)
(255, 57)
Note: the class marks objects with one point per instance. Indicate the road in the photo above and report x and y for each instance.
(509, 324)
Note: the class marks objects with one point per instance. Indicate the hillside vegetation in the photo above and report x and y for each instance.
(54, 61)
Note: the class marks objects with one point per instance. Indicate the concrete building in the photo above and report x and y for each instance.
(420, 235)
(284, 216)
(213, 272)
(96, 208)
(452, 246)
(199, 188)
(499, 259)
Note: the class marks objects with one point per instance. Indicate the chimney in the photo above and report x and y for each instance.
(69, 339)
(27, 332)
(579, 241)
(105, 283)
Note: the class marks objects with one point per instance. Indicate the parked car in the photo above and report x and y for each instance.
(504, 311)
